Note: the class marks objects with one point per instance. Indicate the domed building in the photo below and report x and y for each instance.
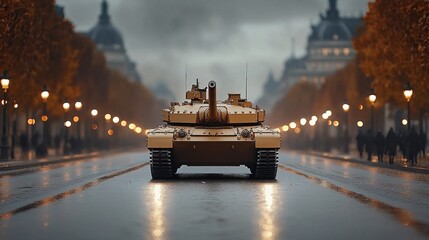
(109, 40)
(329, 49)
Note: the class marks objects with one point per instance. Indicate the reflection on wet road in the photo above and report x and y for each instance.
(115, 198)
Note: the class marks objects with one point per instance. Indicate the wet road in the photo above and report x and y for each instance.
(114, 198)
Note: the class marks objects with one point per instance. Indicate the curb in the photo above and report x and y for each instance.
(371, 164)
(11, 165)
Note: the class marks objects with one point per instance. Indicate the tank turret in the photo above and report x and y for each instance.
(208, 132)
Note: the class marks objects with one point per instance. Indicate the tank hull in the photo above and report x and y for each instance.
(210, 152)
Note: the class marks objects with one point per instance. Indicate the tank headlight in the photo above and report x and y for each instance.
(181, 133)
(245, 133)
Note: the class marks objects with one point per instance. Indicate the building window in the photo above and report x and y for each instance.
(326, 51)
(346, 51)
(337, 52)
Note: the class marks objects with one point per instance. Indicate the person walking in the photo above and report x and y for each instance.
(391, 145)
(380, 142)
(360, 141)
(402, 142)
(413, 146)
(369, 144)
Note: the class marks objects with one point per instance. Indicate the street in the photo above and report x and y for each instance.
(114, 197)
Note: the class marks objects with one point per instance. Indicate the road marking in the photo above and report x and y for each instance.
(65, 194)
(399, 214)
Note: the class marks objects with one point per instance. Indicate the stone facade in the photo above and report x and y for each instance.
(329, 49)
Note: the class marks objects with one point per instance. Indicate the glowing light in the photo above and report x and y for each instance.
(110, 132)
(360, 107)
(44, 118)
(314, 118)
(94, 112)
(346, 107)
(123, 123)
(67, 124)
(31, 121)
(78, 105)
(292, 125)
(15, 105)
(329, 113)
(312, 122)
(359, 124)
(66, 106)
(115, 119)
(138, 130)
(404, 122)
(303, 121)
(285, 128)
(297, 130)
(336, 123)
(132, 126)
(325, 116)
(94, 126)
(75, 119)
(107, 117)
(146, 131)
(329, 122)
(372, 98)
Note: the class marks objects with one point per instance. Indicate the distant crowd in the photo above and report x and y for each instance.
(410, 144)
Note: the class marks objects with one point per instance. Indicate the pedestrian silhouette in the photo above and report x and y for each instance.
(391, 145)
(23, 140)
(413, 146)
(380, 142)
(369, 144)
(360, 141)
(402, 142)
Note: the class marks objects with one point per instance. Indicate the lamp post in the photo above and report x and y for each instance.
(408, 92)
(346, 108)
(94, 127)
(67, 124)
(12, 150)
(4, 143)
(45, 96)
(372, 99)
(77, 119)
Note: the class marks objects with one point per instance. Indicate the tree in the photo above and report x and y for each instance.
(393, 48)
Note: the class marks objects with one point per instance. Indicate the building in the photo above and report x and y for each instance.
(109, 40)
(329, 48)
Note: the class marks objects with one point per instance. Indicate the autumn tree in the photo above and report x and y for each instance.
(393, 49)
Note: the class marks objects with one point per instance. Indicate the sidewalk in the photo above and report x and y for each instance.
(31, 161)
(399, 162)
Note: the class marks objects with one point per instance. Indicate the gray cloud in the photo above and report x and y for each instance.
(216, 38)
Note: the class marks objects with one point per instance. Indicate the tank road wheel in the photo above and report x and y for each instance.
(161, 164)
(266, 164)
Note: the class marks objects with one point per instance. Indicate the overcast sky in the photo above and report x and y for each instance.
(215, 37)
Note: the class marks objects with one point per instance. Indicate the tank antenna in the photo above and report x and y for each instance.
(186, 75)
(246, 80)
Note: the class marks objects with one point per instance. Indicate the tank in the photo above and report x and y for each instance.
(206, 132)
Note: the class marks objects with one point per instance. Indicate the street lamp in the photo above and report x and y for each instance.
(408, 92)
(67, 124)
(14, 126)
(78, 107)
(5, 80)
(44, 95)
(346, 108)
(372, 99)
(94, 127)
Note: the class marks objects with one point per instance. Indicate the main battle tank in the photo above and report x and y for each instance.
(205, 132)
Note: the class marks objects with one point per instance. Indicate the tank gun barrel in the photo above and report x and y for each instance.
(212, 114)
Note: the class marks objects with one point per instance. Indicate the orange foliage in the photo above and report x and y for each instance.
(394, 49)
(39, 47)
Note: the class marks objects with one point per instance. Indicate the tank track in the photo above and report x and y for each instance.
(266, 164)
(161, 164)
